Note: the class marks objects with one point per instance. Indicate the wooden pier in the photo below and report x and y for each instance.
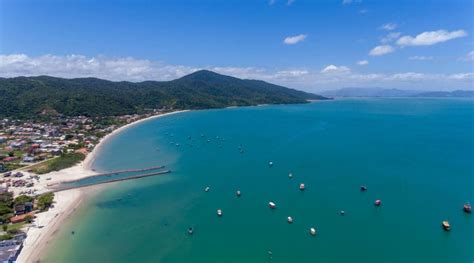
(110, 174)
(109, 181)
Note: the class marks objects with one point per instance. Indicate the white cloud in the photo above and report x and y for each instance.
(462, 76)
(291, 40)
(271, 2)
(290, 2)
(348, 2)
(332, 69)
(362, 62)
(390, 37)
(363, 11)
(291, 73)
(389, 26)
(421, 58)
(430, 38)
(381, 50)
(131, 69)
(468, 57)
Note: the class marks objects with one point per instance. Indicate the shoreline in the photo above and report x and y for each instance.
(89, 160)
(66, 202)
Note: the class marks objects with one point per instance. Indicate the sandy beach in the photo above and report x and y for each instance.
(48, 223)
(91, 156)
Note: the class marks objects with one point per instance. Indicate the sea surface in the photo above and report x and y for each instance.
(416, 155)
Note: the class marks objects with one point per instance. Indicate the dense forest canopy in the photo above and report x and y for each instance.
(26, 97)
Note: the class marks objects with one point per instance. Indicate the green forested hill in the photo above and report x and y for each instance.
(25, 97)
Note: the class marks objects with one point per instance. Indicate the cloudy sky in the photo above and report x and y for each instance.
(309, 45)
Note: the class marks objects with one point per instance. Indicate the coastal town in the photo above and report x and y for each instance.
(32, 152)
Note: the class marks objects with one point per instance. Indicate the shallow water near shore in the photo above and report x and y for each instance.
(416, 155)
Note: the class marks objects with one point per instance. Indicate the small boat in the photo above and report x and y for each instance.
(207, 189)
(342, 212)
(467, 208)
(72, 232)
(270, 164)
(312, 231)
(377, 202)
(190, 231)
(290, 220)
(290, 175)
(301, 187)
(363, 188)
(446, 225)
(219, 212)
(238, 193)
(271, 205)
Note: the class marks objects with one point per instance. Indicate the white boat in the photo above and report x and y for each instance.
(238, 193)
(207, 189)
(219, 212)
(302, 187)
(271, 205)
(312, 231)
(270, 163)
(290, 175)
(290, 219)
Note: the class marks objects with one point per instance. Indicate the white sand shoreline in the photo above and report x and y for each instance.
(66, 202)
(91, 156)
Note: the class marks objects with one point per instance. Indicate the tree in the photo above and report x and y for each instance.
(23, 199)
(29, 218)
(5, 227)
(45, 201)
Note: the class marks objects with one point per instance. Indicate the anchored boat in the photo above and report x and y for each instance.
(271, 205)
(446, 225)
(467, 208)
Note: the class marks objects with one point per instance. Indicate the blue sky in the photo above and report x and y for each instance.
(310, 45)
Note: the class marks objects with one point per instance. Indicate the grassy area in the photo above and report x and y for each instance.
(13, 166)
(16, 227)
(59, 163)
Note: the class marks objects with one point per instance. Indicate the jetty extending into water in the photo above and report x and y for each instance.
(108, 177)
(62, 187)
(109, 174)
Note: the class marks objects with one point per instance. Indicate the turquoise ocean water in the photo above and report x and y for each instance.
(416, 155)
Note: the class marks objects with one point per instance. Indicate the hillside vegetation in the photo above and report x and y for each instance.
(26, 97)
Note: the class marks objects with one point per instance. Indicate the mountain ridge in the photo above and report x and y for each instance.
(393, 92)
(25, 97)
